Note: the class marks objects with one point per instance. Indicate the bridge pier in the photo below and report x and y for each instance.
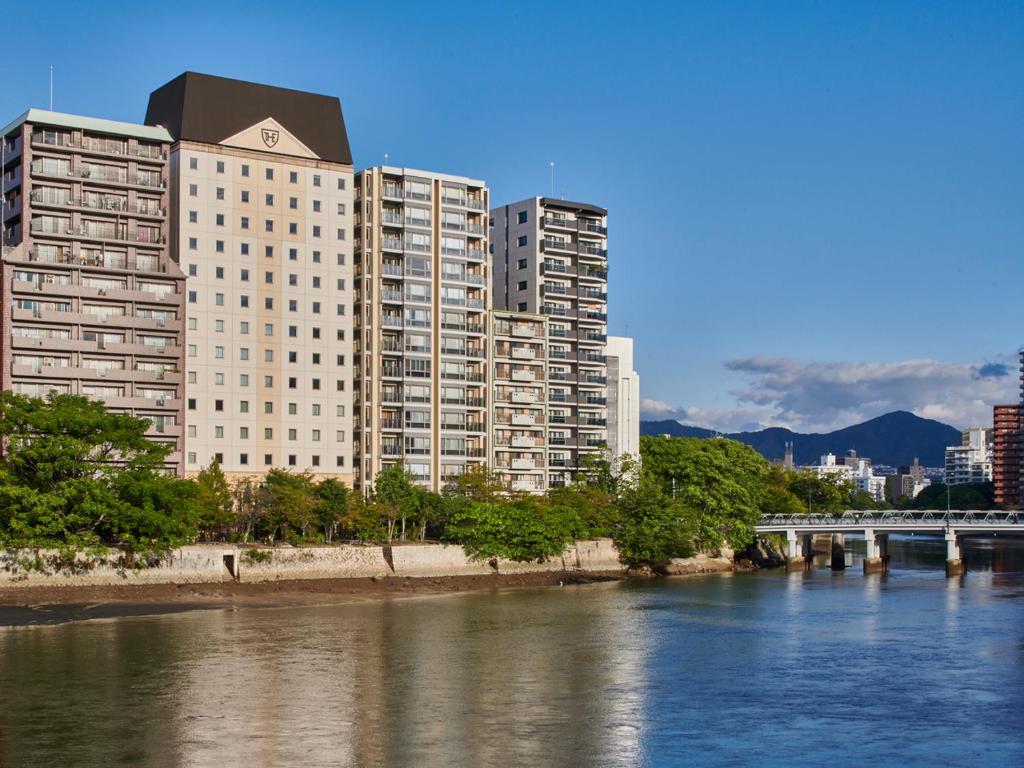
(797, 550)
(954, 561)
(876, 552)
(838, 552)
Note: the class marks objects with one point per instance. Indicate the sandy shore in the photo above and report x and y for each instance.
(25, 606)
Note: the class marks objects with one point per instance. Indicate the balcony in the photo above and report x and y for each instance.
(523, 441)
(523, 464)
(523, 397)
(566, 246)
(525, 375)
(522, 420)
(524, 330)
(524, 353)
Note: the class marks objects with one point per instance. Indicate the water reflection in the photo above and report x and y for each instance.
(689, 671)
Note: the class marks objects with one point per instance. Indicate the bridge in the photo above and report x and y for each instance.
(875, 527)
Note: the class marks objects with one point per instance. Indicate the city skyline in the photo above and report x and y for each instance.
(812, 181)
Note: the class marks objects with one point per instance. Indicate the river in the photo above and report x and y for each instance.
(762, 669)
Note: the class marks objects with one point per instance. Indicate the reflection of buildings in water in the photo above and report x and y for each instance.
(270, 688)
(509, 678)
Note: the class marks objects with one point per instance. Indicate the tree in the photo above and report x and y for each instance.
(331, 506)
(654, 528)
(250, 515)
(719, 480)
(214, 505)
(430, 508)
(821, 495)
(395, 491)
(518, 529)
(477, 483)
(289, 503)
(75, 473)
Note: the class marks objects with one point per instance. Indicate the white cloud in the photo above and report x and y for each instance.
(820, 397)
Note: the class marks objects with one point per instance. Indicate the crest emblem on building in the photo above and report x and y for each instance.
(270, 136)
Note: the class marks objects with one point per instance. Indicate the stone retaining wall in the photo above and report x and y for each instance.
(212, 563)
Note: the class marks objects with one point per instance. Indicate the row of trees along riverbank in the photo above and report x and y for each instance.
(74, 475)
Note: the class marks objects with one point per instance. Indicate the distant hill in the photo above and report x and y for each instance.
(895, 438)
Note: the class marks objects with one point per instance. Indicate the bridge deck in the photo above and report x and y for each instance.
(895, 521)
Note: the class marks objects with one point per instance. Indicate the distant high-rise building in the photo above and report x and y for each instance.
(93, 303)
(787, 461)
(1007, 454)
(971, 461)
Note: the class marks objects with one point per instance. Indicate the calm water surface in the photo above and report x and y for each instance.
(766, 669)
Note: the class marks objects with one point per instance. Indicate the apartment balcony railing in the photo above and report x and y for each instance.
(558, 245)
(88, 144)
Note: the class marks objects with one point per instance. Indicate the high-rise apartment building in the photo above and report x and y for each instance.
(421, 281)
(519, 391)
(551, 257)
(1007, 454)
(93, 305)
(623, 399)
(261, 223)
(971, 461)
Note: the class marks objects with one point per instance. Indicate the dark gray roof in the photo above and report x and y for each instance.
(209, 109)
(569, 205)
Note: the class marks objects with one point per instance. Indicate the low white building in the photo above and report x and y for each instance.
(851, 469)
(971, 461)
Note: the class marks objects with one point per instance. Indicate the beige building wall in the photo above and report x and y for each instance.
(265, 240)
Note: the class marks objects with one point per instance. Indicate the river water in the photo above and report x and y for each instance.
(764, 669)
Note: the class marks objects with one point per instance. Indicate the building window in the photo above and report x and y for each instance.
(243, 406)
(293, 434)
(193, 297)
(293, 409)
(245, 222)
(243, 433)
(243, 458)
(293, 383)
(243, 353)
(269, 199)
(316, 206)
(243, 301)
(218, 272)
(268, 251)
(243, 327)
(268, 407)
(293, 177)
(191, 457)
(292, 460)
(191, 403)
(220, 193)
(521, 264)
(193, 270)
(268, 459)
(219, 246)
(521, 286)
(218, 379)
(193, 163)
(293, 203)
(268, 433)
(218, 405)
(245, 196)
(220, 166)
(522, 240)
(218, 432)
(293, 228)
(341, 183)
(270, 174)
(316, 180)
(193, 243)
(245, 170)
(193, 217)
(269, 227)
(522, 217)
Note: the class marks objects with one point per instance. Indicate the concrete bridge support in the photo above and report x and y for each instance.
(798, 550)
(876, 553)
(954, 562)
(838, 552)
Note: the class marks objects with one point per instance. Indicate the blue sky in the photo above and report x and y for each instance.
(813, 205)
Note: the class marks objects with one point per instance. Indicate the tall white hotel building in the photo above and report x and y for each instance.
(261, 212)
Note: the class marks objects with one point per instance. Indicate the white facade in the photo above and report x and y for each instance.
(971, 461)
(852, 470)
(623, 399)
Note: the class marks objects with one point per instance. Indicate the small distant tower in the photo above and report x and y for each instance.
(787, 462)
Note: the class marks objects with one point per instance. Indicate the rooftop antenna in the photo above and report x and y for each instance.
(51, 87)
(385, 158)
(552, 178)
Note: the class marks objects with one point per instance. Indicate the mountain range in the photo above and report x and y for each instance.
(895, 438)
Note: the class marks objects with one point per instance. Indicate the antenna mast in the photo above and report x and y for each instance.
(51, 87)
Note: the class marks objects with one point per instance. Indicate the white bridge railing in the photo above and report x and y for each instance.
(895, 519)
